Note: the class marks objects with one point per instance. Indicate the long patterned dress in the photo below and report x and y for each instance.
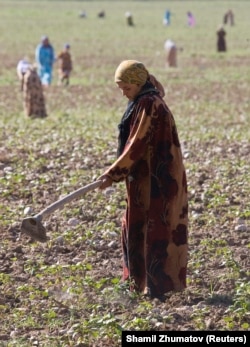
(33, 98)
(155, 224)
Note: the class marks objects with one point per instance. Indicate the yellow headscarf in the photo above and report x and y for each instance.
(132, 72)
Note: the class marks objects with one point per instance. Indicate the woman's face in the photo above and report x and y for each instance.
(129, 90)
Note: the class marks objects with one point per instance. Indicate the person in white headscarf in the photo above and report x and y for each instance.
(171, 51)
(31, 87)
(22, 67)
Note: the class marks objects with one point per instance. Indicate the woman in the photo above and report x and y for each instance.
(45, 58)
(33, 98)
(191, 19)
(154, 227)
(22, 67)
(221, 40)
(171, 50)
(65, 65)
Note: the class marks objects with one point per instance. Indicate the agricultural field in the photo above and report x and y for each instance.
(67, 292)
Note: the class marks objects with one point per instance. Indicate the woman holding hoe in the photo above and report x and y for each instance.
(155, 223)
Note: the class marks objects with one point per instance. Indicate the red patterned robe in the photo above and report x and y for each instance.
(155, 224)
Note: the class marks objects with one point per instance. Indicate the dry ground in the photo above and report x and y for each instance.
(70, 277)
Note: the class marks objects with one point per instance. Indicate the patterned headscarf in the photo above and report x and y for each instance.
(132, 72)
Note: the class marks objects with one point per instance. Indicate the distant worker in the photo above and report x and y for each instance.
(129, 17)
(190, 19)
(22, 67)
(101, 14)
(221, 39)
(229, 18)
(31, 86)
(83, 14)
(225, 18)
(167, 17)
(171, 51)
(65, 65)
(45, 58)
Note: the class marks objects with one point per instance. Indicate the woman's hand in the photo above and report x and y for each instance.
(106, 181)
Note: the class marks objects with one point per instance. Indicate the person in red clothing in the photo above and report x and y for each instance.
(149, 161)
(65, 65)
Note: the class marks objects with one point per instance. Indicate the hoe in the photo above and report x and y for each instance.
(33, 227)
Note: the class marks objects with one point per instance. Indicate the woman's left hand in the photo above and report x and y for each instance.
(106, 181)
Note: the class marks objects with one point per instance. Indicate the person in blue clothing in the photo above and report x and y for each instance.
(45, 58)
(166, 19)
